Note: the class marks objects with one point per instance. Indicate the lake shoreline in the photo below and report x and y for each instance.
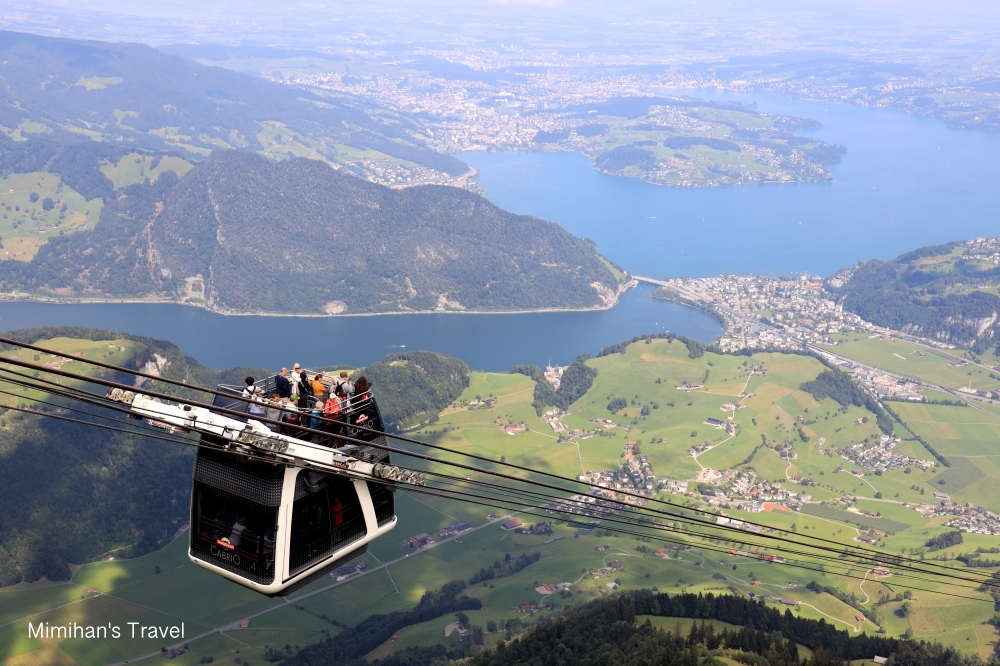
(6, 298)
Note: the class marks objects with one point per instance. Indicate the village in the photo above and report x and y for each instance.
(768, 313)
(963, 517)
(778, 313)
(879, 457)
(747, 491)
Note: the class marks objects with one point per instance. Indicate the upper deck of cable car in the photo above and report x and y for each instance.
(355, 414)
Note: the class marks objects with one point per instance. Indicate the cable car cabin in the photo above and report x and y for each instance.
(273, 526)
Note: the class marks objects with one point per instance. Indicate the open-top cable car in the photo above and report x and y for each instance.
(273, 506)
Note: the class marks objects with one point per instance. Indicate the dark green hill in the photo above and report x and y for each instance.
(412, 387)
(134, 96)
(612, 630)
(298, 236)
(72, 492)
(941, 291)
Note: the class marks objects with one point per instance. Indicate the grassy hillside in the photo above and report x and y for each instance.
(136, 96)
(947, 292)
(74, 493)
(244, 233)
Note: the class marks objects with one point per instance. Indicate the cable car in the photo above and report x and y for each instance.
(274, 507)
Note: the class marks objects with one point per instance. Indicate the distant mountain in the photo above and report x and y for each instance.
(134, 96)
(244, 233)
(946, 292)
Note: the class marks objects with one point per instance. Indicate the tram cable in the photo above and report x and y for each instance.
(840, 560)
(522, 507)
(424, 491)
(507, 490)
(897, 561)
(185, 385)
(493, 501)
(518, 479)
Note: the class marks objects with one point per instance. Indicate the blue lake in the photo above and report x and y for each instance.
(904, 182)
(485, 342)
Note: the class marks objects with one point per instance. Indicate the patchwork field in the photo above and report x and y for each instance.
(37, 206)
(107, 351)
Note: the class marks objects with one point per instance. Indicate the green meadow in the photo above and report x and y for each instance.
(107, 351)
(137, 167)
(36, 206)
(899, 356)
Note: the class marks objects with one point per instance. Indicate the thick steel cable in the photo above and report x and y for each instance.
(489, 503)
(409, 440)
(844, 552)
(452, 495)
(840, 561)
(875, 554)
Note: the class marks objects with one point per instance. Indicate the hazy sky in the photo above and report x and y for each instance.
(667, 26)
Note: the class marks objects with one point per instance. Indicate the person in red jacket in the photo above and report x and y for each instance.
(337, 518)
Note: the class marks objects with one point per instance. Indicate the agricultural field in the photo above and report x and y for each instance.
(116, 352)
(136, 168)
(970, 439)
(36, 206)
(775, 411)
(936, 366)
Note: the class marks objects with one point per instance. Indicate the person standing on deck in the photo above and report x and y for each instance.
(282, 386)
(318, 388)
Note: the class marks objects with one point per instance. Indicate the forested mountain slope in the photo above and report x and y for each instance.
(617, 630)
(412, 387)
(72, 492)
(138, 97)
(947, 292)
(246, 233)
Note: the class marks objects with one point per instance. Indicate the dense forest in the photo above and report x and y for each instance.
(576, 381)
(905, 295)
(611, 631)
(136, 96)
(73, 492)
(77, 162)
(695, 348)
(412, 387)
(298, 236)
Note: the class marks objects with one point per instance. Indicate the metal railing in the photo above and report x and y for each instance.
(351, 412)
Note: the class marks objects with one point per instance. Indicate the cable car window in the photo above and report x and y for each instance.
(234, 533)
(326, 516)
(382, 500)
